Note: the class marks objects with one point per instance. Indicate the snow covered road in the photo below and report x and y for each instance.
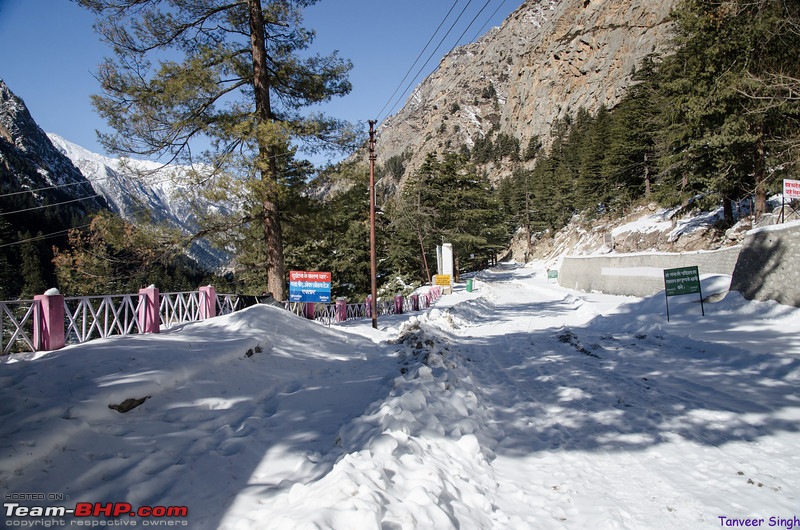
(519, 405)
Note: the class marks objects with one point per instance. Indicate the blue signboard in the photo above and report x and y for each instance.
(306, 286)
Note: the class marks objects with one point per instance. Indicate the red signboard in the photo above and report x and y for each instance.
(308, 276)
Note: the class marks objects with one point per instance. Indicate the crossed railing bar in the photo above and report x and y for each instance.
(16, 326)
(89, 317)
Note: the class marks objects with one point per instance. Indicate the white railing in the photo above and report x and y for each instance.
(92, 317)
(328, 313)
(95, 317)
(355, 311)
(228, 303)
(17, 326)
(177, 308)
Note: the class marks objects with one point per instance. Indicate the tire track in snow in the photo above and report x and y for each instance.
(518, 374)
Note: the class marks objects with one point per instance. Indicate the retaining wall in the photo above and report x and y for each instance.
(766, 266)
(639, 274)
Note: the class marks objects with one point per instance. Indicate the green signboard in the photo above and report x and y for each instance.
(683, 280)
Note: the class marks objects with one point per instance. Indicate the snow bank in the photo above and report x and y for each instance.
(518, 405)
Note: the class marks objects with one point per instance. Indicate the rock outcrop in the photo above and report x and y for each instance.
(546, 61)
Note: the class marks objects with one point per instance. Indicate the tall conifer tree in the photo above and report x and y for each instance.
(229, 81)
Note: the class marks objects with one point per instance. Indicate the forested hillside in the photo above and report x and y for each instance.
(713, 122)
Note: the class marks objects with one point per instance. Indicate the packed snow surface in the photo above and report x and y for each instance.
(518, 405)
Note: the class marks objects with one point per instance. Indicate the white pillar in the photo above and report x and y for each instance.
(447, 259)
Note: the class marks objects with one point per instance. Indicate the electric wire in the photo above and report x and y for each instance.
(452, 82)
(52, 205)
(101, 179)
(421, 68)
(45, 188)
(488, 20)
(410, 68)
(43, 236)
(470, 25)
(455, 45)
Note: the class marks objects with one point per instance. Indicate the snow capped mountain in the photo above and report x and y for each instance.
(156, 196)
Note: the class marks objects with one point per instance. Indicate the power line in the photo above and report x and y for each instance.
(13, 193)
(418, 58)
(454, 80)
(51, 205)
(470, 25)
(488, 20)
(44, 236)
(413, 79)
(455, 45)
(92, 182)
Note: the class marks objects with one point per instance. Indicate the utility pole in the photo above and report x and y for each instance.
(372, 255)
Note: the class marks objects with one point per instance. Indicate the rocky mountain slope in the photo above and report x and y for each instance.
(51, 170)
(30, 163)
(547, 60)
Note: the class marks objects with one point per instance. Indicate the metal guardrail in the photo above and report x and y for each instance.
(228, 303)
(94, 317)
(177, 308)
(355, 311)
(328, 313)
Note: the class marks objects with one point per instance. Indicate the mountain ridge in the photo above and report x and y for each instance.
(31, 162)
(158, 196)
(41, 170)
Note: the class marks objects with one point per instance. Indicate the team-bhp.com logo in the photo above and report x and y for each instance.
(29, 516)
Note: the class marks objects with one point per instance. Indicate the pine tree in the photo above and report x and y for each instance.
(460, 207)
(31, 266)
(723, 136)
(589, 137)
(234, 92)
(631, 157)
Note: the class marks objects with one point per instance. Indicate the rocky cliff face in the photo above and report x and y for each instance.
(29, 161)
(546, 61)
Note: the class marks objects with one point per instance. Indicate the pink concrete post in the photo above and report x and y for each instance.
(308, 309)
(368, 302)
(414, 302)
(149, 310)
(208, 302)
(48, 328)
(398, 304)
(341, 309)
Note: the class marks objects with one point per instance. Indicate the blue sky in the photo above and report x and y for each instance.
(49, 51)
